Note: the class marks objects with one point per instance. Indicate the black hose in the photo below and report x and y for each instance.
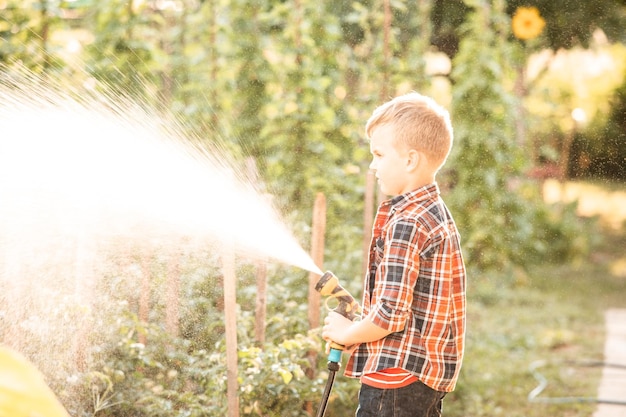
(333, 367)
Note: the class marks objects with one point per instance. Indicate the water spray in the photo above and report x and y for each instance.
(328, 285)
(90, 181)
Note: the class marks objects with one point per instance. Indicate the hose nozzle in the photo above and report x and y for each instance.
(347, 306)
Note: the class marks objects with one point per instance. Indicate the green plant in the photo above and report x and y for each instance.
(500, 213)
(168, 379)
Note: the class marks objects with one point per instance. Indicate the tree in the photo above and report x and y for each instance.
(501, 227)
(26, 28)
(572, 22)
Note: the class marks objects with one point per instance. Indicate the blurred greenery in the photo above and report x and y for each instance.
(290, 84)
(599, 151)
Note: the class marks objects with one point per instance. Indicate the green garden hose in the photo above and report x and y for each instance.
(533, 396)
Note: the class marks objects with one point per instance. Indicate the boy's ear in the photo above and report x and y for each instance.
(414, 159)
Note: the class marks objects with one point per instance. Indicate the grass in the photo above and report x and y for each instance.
(551, 317)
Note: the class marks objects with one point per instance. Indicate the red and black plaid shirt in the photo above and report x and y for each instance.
(415, 287)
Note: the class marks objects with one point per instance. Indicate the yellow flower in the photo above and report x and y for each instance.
(527, 23)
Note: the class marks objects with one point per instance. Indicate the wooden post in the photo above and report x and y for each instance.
(261, 274)
(368, 216)
(566, 151)
(370, 186)
(384, 91)
(84, 282)
(172, 296)
(213, 60)
(230, 321)
(144, 296)
(317, 254)
(261, 302)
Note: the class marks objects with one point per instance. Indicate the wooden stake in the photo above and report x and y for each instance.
(172, 306)
(261, 302)
(368, 216)
(387, 17)
(261, 273)
(317, 254)
(144, 296)
(230, 321)
(84, 282)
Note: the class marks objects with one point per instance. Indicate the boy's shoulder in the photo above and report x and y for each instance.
(426, 212)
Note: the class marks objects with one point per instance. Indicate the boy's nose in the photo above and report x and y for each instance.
(373, 165)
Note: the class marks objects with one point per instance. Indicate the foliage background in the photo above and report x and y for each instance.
(290, 84)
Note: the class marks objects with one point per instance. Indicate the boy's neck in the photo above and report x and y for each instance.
(422, 179)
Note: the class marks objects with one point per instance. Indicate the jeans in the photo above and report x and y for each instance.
(415, 400)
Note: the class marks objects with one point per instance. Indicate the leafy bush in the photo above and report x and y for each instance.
(165, 378)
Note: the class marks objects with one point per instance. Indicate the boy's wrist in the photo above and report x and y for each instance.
(362, 332)
(349, 335)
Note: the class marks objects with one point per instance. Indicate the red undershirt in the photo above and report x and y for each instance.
(389, 378)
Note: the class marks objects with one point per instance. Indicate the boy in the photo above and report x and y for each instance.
(408, 347)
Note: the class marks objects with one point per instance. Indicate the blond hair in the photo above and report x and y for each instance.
(418, 123)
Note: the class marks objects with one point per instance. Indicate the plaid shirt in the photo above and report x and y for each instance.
(415, 287)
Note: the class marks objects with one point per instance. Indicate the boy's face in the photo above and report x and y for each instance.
(389, 161)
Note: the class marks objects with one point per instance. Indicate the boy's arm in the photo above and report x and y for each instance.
(341, 330)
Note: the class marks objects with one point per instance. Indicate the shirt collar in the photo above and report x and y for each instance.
(420, 194)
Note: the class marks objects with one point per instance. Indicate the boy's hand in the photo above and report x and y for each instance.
(336, 328)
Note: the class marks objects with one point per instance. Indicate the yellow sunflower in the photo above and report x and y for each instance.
(527, 23)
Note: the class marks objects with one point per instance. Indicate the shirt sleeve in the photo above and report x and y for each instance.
(396, 276)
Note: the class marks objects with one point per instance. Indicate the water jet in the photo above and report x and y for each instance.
(91, 184)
